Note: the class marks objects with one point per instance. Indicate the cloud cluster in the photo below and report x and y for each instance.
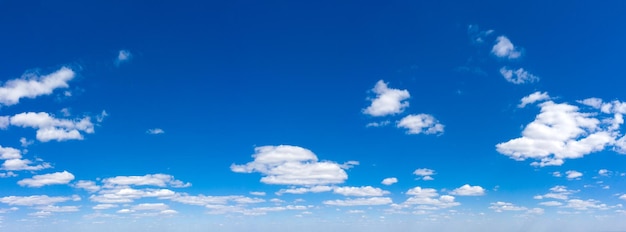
(31, 85)
(505, 49)
(50, 128)
(560, 131)
(13, 161)
(388, 101)
(293, 165)
(424, 173)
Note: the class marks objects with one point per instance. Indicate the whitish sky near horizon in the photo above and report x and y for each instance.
(315, 115)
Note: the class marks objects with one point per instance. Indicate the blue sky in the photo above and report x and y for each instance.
(285, 115)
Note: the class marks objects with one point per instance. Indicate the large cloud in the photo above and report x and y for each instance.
(560, 131)
(292, 165)
(31, 86)
(388, 101)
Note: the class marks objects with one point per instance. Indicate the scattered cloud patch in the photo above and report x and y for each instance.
(123, 56)
(388, 101)
(155, 131)
(421, 124)
(468, 190)
(389, 181)
(558, 192)
(425, 173)
(378, 124)
(364, 191)
(47, 179)
(31, 85)
(360, 201)
(429, 199)
(476, 35)
(533, 97)
(573, 174)
(159, 180)
(50, 128)
(518, 76)
(505, 49)
(505, 206)
(89, 186)
(292, 165)
(35, 200)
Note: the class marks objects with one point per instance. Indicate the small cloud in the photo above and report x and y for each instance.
(519, 76)
(532, 98)
(421, 124)
(425, 173)
(388, 101)
(122, 57)
(378, 124)
(155, 131)
(101, 116)
(25, 142)
(573, 174)
(390, 181)
(505, 49)
(468, 190)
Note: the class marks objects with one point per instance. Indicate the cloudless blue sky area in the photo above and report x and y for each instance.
(312, 115)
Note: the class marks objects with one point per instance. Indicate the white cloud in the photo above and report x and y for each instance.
(427, 199)
(303, 190)
(476, 35)
(551, 203)
(622, 197)
(127, 195)
(533, 97)
(32, 85)
(160, 180)
(364, 191)
(557, 192)
(155, 131)
(582, 205)
(56, 209)
(468, 190)
(573, 174)
(505, 206)
(388, 101)
(559, 132)
(104, 206)
(425, 173)
(4, 122)
(87, 185)
(123, 56)
(518, 76)
(7, 174)
(214, 200)
(378, 124)
(556, 174)
(593, 102)
(505, 49)
(421, 123)
(9, 153)
(25, 142)
(23, 164)
(389, 181)
(258, 193)
(35, 200)
(150, 206)
(47, 179)
(292, 165)
(360, 201)
(50, 128)
(603, 172)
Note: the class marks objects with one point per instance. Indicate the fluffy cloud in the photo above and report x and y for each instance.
(32, 85)
(159, 180)
(582, 205)
(104, 206)
(50, 128)
(551, 203)
(425, 173)
(505, 49)
(214, 200)
(388, 101)
(468, 190)
(558, 192)
(505, 206)
(23, 165)
(35, 200)
(89, 186)
(559, 132)
(573, 174)
(429, 199)
(518, 76)
(389, 181)
(365, 191)
(47, 179)
(314, 189)
(127, 195)
(360, 201)
(9, 153)
(532, 98)
(292, 165)
(421, 123)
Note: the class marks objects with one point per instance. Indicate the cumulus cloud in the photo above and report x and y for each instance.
(23, 165)
(388, 101)
(428, 199)
(558, 192)
(573, 174)
(425, 173)
(9, 153)
(47, 179)
(505, 49)
(292, 165)
(360, 201)
(35, 200)
(582, 205)
(364, 191)
(31, 86)
(87, 185)
(518, 76)
(532, 98)
(127, 195)
(4, 122)
(505, 206)
(155, 131)
(303, 190)
(468, 190)
(421, 124)
(389, 181)
(559, 132)
(159, 180)
(50, 128)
